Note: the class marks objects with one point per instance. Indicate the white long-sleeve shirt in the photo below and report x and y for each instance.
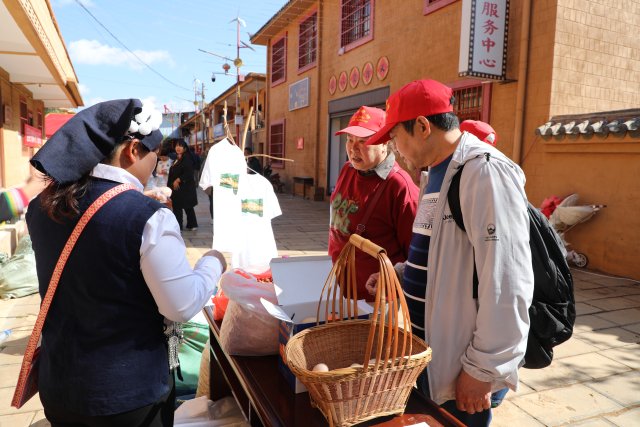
(179, 291)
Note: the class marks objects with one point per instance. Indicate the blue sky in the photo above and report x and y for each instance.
(166, 35)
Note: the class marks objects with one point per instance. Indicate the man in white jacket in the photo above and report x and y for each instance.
(478, 341)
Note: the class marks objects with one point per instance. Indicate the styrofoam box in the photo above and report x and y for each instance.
(298, 282)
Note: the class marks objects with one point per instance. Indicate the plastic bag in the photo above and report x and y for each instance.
(202, 412)
(248, 329)
(220, 302)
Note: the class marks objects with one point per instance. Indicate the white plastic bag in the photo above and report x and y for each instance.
(248, 329)
(202, 412)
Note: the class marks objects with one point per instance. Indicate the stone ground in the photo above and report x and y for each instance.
(594, 379)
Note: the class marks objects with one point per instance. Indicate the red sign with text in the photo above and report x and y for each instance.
(31, 137)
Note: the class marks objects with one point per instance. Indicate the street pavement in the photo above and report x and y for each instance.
(594, 379)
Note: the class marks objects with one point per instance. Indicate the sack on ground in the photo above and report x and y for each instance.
(248, 329)
(18, 277)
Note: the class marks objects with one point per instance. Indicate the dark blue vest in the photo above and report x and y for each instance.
(103, 348)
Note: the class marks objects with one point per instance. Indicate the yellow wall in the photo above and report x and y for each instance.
(597, 56)
(14, 158)
(300, 123)
(581, 58)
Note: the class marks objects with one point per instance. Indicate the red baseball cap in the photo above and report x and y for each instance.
(483, 131)
(418, 98)
(365, 122)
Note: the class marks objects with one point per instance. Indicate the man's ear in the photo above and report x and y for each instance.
(423, 127)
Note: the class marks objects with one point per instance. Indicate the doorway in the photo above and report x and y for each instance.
(338, 151)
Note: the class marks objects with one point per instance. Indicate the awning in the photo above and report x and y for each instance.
(34, 55)
(54, 121)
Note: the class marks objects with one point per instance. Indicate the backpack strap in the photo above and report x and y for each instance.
(453, 197)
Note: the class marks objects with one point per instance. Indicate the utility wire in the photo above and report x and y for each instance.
(129, 50)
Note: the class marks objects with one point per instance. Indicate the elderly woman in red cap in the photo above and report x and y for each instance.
(109, 338)
(373, 197)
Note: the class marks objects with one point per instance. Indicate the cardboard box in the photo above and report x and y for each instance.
(298, 282)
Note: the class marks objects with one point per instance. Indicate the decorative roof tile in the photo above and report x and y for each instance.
(617, 122)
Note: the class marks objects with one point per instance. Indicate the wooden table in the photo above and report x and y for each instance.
(266, 399)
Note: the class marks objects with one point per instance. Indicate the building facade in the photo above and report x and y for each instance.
(564, 63)
(245, 102)
(35, 73)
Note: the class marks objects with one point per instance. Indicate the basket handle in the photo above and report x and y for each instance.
(365, 245)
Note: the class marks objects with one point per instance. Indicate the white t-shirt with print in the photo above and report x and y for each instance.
(259, 205)
(223, 168)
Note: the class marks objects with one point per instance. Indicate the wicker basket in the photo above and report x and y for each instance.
(391, 357)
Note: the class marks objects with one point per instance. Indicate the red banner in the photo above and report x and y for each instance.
(31, 137)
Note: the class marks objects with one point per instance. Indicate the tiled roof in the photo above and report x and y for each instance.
(616, 122)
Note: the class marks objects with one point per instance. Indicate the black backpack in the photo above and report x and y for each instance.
(553, 310)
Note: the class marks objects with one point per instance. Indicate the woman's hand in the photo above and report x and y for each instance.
(176, 184)
(372, 283)
(214, 253)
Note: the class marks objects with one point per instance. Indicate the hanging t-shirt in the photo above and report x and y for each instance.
(414, 282)
(222, 170)
(259, 205)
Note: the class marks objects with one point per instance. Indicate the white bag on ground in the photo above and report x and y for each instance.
(248, 329)
(202, 412)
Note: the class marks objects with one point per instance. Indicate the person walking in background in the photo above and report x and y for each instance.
(253, 163)
(483, 131)
(478, 341)
(373, 197)
(182, 183)
(105, 359)
(14, 200)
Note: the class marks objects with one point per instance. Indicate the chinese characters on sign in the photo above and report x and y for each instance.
(299, 94)
(483, 40)
(31, 137)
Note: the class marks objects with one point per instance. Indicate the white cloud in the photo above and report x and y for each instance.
(84, 89)
(92, 52)
(178, 106)
(93, 101)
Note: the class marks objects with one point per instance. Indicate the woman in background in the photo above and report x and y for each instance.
(181, 181)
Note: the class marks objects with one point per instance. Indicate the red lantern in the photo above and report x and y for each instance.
(226, 67)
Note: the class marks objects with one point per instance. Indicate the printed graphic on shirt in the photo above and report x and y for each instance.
(342, 211)
(230, 180)
(253, 206)
(491, 234)
(424, 216)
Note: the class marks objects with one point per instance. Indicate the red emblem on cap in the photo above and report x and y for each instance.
(361, 116)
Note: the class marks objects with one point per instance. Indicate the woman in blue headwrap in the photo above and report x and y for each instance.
(104, 358)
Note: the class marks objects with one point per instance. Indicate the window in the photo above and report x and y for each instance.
(433, 5)
(276, 143)
(40, 123)
(473, 99)
(307, 42)
(279, 61)
(24, 114)
(357, 21)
